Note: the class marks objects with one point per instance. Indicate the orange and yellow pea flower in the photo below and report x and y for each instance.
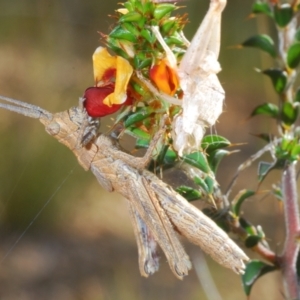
(111, 75)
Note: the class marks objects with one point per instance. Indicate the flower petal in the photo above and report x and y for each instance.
(93, 102)
(102, 61)
(110, 69)
(124, 72)
(165, 78)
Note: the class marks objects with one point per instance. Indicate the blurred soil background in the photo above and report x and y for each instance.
(81, 246)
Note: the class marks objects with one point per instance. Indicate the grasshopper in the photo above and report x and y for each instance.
(156, 210)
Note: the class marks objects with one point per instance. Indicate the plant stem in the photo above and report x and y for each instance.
(265, 253)
(291, 248)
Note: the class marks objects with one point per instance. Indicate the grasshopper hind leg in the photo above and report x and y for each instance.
(147, 245)
(145, 202)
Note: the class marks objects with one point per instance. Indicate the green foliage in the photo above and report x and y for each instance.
(139, 115)
(213, 146)
(215, 157)
(289, 113)
(293, 55)
(286, 148)
(278, 77)
(133, 39)
(162, 10)
(189, 193)
(213, 142)
(252, 240)
(267, 109)
(133, 31)
(297, 96)
(198, 160)
(122, 33)
(239, 199)
(283, 14)
(254, 270)
(262, 42)
(138, 134)
(207, 184)
(262, 8)
(132, 34)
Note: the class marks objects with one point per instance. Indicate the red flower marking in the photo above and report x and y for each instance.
(109, 76)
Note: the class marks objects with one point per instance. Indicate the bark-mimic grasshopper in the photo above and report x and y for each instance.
(156, 209)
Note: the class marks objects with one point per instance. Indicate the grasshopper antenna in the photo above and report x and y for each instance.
(25, 109)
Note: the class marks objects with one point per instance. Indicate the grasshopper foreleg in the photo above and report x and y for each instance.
(140, 163)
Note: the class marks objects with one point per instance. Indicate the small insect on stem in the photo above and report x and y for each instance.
(155, 208)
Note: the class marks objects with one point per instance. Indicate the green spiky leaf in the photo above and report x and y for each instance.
(129, 6)
(295, 152)
(268, 137)
(138, 133)
(278, 77)
(239, 200)
(210, 182)
(262, 42)
(162, 10)
(148, 35)
(267, 109)
(199, 181)
(293, 55)
(174, 40)
(168, 26)
(214, 142)
(264, 168)
(283, 14)
(247, 226)
(141, 114)
(297, 96)
(131, 28)
(140, 62)
(289, 113)
(142, 143)
(121, 33)
(145, 7)
(198, 160)
(215, 158)
(262, 8)
(252, 240)
(188, 193)
(132, 16)
(113, 44)
(254, 270)
(170, 157)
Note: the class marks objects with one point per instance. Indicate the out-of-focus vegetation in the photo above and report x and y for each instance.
(81, 246)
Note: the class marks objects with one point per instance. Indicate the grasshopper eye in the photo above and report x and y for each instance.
(53, 128)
